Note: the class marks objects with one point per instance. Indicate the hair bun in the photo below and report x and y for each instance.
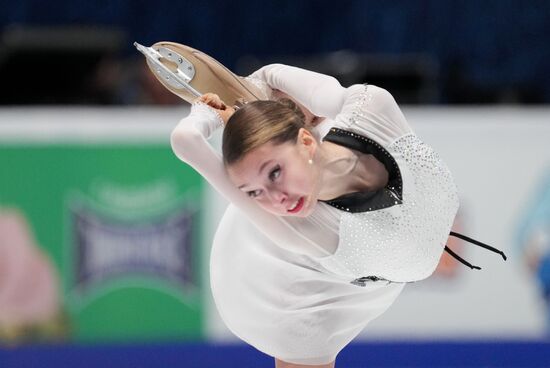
(287, 102)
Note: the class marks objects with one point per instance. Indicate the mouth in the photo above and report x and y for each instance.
(297, 206)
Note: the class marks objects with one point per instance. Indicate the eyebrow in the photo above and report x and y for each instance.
(261, 169)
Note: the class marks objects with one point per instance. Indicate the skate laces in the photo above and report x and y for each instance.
(473, 241)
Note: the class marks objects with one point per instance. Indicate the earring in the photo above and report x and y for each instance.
(310, 161)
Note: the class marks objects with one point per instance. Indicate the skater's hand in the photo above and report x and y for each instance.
(215, 102)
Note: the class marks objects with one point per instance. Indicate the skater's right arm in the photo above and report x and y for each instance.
(189, 143)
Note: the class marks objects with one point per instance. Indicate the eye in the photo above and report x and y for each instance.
(275, 173)
(254, 193)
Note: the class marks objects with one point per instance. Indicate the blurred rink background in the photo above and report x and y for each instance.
(105, 235)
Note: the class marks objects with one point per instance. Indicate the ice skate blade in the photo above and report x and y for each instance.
(189, 73)
(178, 78)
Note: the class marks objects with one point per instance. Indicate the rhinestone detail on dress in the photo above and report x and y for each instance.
(402, 243)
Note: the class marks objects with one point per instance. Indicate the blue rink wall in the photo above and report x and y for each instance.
(372, 355)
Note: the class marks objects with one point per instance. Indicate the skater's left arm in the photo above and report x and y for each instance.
(319, 93)
(366, 109)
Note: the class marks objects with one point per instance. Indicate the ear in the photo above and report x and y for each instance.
(307, 140)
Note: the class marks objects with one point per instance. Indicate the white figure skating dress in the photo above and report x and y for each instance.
(300, 289)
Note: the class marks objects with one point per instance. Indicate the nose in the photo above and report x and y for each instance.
(278, 196)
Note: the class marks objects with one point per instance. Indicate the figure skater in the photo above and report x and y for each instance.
(336, 204)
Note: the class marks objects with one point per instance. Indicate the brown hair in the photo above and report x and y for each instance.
(260, 122)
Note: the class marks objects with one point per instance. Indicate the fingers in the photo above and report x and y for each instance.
(210, 97)
(212, 100)
(226, 114)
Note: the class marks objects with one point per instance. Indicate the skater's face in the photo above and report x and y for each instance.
(280, 178)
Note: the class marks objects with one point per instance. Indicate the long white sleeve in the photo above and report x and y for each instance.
(189, 143)
(319, 93)
(366, 109)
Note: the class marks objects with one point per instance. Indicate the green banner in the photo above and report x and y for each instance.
(120, 225)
